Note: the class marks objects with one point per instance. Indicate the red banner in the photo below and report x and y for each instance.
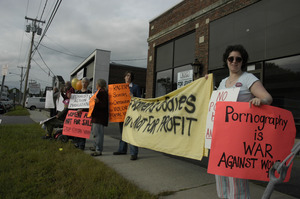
(119, 99)
(77, 124)
(248, 140)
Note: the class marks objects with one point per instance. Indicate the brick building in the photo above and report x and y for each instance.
(202, 29)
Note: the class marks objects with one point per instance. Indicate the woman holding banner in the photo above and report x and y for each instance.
(98, 110)
(252, 91)
(80, 142)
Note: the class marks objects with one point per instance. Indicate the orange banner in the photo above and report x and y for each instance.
(119, 99)
(77, 124)
(247, 141)
(92, 104)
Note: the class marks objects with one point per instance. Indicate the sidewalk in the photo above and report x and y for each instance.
(157, 173)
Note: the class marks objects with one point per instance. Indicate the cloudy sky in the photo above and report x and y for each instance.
(78, 28)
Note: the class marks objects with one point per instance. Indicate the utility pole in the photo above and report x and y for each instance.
(4, 73)
(34, 28)
(21, 81)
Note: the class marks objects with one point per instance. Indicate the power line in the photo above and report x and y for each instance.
(39, 66)
(45, 63)
(62, 52)
(58, 2)
(62, 47)
(44, 9)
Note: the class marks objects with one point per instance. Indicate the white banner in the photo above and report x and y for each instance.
(49, 99)
(79, 101)
(230, 94)
(59, 103)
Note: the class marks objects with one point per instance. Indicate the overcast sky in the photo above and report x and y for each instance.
(78, 28)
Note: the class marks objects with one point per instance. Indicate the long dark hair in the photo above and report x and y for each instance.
(241, 50)
(131, 75)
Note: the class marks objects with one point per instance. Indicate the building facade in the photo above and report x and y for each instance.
(98, 66)
(202, 29)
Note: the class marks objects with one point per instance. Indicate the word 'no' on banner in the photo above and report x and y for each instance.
(247, 140)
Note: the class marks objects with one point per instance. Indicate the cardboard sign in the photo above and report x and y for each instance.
(230, 94)
(46, 120)
(59, 103)
(174, 123)
(79, 101)
(119, 99)
(247, 141)
(49, 99)
(77, 124)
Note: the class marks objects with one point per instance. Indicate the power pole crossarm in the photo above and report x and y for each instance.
(35, 20)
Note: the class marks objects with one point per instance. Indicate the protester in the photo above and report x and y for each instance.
(252, 91)
(98, 111)
(56, 122)
(80, 142)
(56, 93)
(66, 93)
(135, 91)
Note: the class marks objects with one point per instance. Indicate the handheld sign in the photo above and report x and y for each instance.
(230, 94)
(247, 141)
(77, 124)
(79, 101)
(119, 99)
(49, 103)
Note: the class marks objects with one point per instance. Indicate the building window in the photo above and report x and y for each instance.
(171, 58)
(282, 80)
(163, 82)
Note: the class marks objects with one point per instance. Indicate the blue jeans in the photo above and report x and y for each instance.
(123, 145)
(98, 133)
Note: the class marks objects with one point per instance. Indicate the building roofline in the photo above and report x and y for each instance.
(151, 20)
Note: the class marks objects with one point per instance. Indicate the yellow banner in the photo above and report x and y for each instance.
(174, 123)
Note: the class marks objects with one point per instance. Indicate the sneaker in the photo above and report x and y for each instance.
(133, 157)
(92, 149)
(119, 153)
(96, 153)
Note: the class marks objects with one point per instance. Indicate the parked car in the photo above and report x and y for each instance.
(2, 108)
(8, 103)
(33, 103)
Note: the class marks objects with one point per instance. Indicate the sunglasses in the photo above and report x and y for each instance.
(237, 59)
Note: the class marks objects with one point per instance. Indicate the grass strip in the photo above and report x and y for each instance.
(18, 111)
(35, 168)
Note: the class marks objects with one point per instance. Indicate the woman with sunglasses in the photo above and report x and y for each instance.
(252, 91)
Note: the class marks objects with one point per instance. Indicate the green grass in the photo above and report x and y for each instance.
(19, 111)
(31, 167)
